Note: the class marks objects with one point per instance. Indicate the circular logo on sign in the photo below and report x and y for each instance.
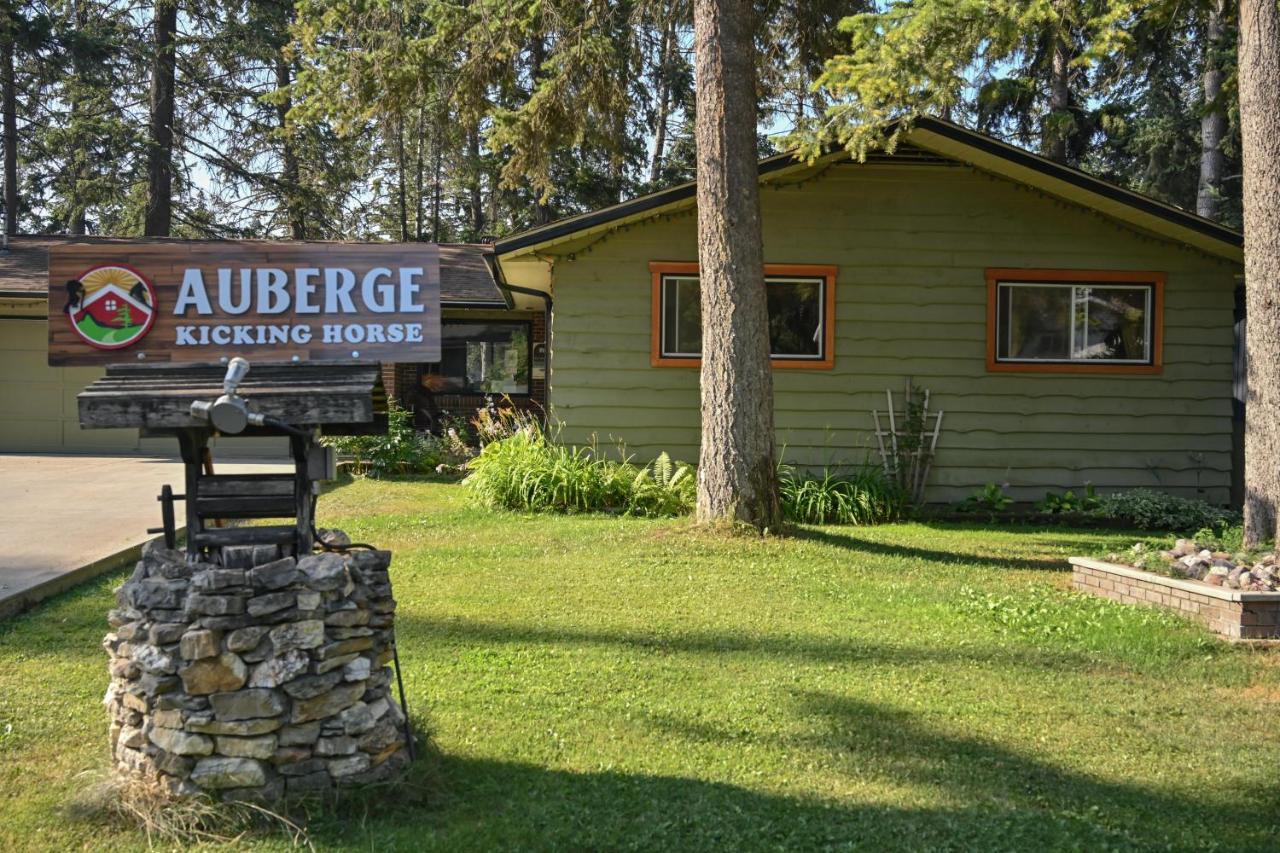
(111, 307)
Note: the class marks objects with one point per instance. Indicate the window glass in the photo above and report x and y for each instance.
(682, 317)
(795, 318)
(481, 358)
(1074, 322)
(796, 321)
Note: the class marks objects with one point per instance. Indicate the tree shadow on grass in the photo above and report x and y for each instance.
(413, 629)
(970, 795)
(849, 542)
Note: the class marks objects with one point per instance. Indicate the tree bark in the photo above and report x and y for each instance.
(664, 101)
(419, 169)
(1259, 73)
(10, 97)
(737, 472)
(1055, 144)
(400, 179)
(159, 213)
(290, 172)
(1213, 124)
(473, 180)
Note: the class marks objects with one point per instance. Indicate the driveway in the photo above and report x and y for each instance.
(65, 518)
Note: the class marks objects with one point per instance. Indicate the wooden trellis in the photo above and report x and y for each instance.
(908, 446)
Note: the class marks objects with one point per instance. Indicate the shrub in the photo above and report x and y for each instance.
(1069, 502)
(864, 497)
(1147, 509)
(399, 451)
(990, 500)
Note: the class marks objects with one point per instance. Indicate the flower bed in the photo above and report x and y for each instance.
(1234, 613)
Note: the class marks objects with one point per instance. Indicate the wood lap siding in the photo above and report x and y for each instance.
(912, 244)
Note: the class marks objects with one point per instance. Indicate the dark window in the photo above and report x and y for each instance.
(481, 358)
(796, 322)
(1068, 322)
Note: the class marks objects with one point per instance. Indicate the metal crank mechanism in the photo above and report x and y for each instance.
(211, 498)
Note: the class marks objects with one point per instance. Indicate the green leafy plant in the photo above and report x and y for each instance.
(1147, 509)
(865, 496)
(400, 451)
(990, 500)
(1069, 502)
(664, 488)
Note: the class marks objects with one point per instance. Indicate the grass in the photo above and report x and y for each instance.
(602, 683)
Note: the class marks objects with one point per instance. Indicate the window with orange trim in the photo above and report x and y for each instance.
(1074, 321)
(801, 315)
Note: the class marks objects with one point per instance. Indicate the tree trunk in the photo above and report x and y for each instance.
(473, 178)
(159, 213)
(1213, 124)
(290, 173)
(1055, 143)
(419, 168)
(1259, 72)
(437, 182)
(400, 179)
(737, 472)
(10, 97)
(664, 101)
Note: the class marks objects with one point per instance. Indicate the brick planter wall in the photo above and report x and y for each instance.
(1230, 612)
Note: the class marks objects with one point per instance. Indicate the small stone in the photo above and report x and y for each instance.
(344, 647)
(290, 755)
(349, 766)
(1215, 580)
(357, 670)
(215, 605)
(324, 572)
(236, 728)
(270, 603)
(181, 743)
(244, 639)
(382, 735)
(326, 704)
(313, 685)
(169, 718)
(214, 675)
(333, 537)
(297, 635)
(247, 704)
(164, 633)
(303, 768)
(152, 659)
(155, 593)
(308, 600)
(325, 666)
(212, 579)
(357, 719)
(1246, 579)
(174, 765)
(276, 671)
(248, 747)
(132, 737)
(195, 645)
(219, 772)
(351, 618)
(260, 652)
(276, 574)
(340, 745)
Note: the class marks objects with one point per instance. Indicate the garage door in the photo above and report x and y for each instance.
(38, 411)
(38, 402)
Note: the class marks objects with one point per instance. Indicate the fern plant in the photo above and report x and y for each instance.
(663, 487)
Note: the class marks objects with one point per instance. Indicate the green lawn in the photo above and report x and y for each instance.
(601, 683)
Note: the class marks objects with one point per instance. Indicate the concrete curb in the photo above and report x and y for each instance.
(25, 599)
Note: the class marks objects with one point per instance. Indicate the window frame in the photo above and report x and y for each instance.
(1138, 278)
(424, 367)
(661, 269)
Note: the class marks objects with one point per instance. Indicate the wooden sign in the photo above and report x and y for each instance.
(150, 301)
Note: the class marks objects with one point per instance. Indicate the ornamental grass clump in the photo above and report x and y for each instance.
(530, 471)
(865, 496)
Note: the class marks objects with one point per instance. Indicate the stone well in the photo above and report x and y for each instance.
(256, 678)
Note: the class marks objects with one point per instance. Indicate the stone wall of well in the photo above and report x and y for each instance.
(255, 678)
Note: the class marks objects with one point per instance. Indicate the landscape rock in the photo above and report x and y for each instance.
(247, 747)
(180, 742)
(326, 704)
(274, 672)
(214, 675)
(204, 643)
(220, 772)
(297, 635)
(324, 572)
(247, 704)
(276, 574)
(245, 639)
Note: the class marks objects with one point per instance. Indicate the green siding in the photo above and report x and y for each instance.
(911, 243)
